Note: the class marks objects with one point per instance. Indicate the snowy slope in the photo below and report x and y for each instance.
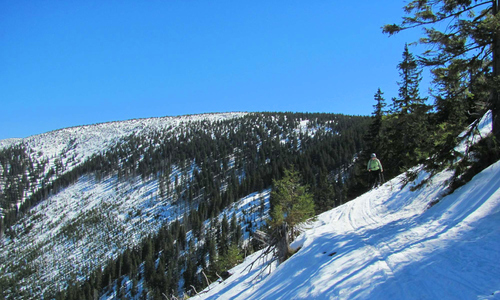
(9, 142)
(390, 243)
(90, 222)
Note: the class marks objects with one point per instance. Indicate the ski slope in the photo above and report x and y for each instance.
(390, 243)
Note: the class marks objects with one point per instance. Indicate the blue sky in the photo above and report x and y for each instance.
(69, 63)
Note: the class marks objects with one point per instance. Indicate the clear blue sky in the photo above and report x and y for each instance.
(68, 63)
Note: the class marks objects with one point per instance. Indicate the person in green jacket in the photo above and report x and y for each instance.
(375, 169)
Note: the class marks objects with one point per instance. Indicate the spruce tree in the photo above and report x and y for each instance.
(469, 43)
(291, 204)
(374, 137)
(408, 125)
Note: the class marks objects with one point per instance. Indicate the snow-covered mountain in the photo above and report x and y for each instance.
(394, 242)
(67, 148)
(79, 227)
(91, 137)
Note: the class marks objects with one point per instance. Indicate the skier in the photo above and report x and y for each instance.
(375, 169)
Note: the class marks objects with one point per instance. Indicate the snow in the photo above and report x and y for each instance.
(253, 209)
(9, 142)
(484, 127)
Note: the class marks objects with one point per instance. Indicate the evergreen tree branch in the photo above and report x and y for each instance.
(415, 22)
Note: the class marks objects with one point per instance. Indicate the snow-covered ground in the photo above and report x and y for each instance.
(390, 243)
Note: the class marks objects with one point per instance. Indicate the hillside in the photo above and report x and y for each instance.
(75, 200)
(390, 243)
(63, 150)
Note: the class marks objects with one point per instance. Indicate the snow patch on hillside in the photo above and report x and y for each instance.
(9, 142)
(483, 127)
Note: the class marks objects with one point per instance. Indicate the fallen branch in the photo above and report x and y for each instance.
(268, 250)
(194, 289)
(208, 282)
(173, 297)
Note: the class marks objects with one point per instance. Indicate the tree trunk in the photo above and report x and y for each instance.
(496, 73)
(283, 245)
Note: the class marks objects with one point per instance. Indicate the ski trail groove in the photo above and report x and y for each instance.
(368, 215)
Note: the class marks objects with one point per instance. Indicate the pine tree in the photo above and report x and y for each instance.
(224, 237)
(232, 258)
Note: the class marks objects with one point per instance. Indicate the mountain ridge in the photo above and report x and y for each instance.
(8, 141)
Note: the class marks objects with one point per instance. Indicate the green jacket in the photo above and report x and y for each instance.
(374, 165)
